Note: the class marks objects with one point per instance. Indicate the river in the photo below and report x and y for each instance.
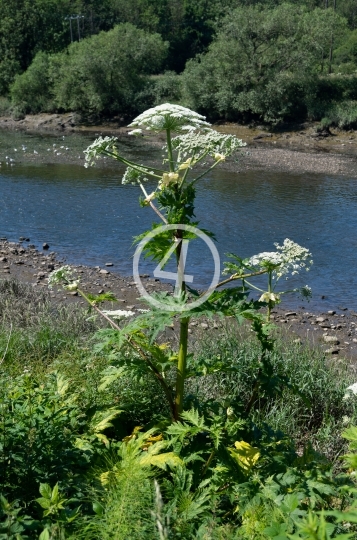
(87, 216)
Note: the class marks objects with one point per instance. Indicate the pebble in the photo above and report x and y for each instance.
(320, 319)
(298, 341)
(331, 312)
(204, 325)
(45, 246)
(331, 339)
(333, 350)
(109, 264)
(103, 272)
(354, 340)
(290, 313)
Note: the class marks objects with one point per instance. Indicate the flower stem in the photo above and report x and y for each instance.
(270, 303)
(169, 150)
(181, 368)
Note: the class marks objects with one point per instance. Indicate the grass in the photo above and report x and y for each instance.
(45, 337)
(312, 409)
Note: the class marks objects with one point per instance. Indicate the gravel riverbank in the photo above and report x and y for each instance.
(334, 331)
(296, 149)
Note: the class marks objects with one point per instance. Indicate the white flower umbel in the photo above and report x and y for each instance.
(63, 276)
(217, 145)
(98, 148)
(135, 176)
(170, 117)
(119, 313)
(290, 257)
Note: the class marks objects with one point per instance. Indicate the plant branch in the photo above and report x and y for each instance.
(240, 276)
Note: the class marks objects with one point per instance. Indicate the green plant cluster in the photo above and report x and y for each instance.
(75, 463)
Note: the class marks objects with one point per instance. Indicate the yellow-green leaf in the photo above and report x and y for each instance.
(245, 455)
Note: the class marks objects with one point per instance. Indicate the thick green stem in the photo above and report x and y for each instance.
(181, 368)
(169, 151)
(270, 288)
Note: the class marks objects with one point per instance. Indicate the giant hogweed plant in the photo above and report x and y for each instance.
(192, 150)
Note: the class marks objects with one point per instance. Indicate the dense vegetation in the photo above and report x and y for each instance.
(75, 464)
(114, 427)
(244, 60)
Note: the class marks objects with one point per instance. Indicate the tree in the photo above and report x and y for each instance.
(104, 73)
(260, 60)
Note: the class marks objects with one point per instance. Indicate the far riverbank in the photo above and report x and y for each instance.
(292, 149)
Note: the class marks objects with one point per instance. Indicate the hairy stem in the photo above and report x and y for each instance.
(137, 348)
(169, 151)
(270, 288)
(181, 368)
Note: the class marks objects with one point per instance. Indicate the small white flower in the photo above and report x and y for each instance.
(119, 313)
(135, 132)
(350, 391)
(72, 286)
(150, 197)
(269, 297)
(168, 178)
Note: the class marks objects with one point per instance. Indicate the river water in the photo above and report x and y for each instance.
(87, 216)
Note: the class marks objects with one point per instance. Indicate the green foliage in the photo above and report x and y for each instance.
(99, 75)
(31, 91)
(269, 57)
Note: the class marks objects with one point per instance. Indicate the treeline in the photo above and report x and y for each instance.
(242, 60)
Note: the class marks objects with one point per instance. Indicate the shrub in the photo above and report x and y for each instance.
(31, 91)
(105, 73)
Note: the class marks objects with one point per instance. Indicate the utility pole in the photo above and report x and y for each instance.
(71, 18)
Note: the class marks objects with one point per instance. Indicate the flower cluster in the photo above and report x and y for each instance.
(100, 145)
(172, 117)
(63, 276)
(290, 257)
(217, 145)
(135, 176)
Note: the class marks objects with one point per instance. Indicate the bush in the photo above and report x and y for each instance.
(31, 91)
(262, 64)
(105, 73)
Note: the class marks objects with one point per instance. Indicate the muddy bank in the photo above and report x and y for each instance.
(335, 331)
(296, 149)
